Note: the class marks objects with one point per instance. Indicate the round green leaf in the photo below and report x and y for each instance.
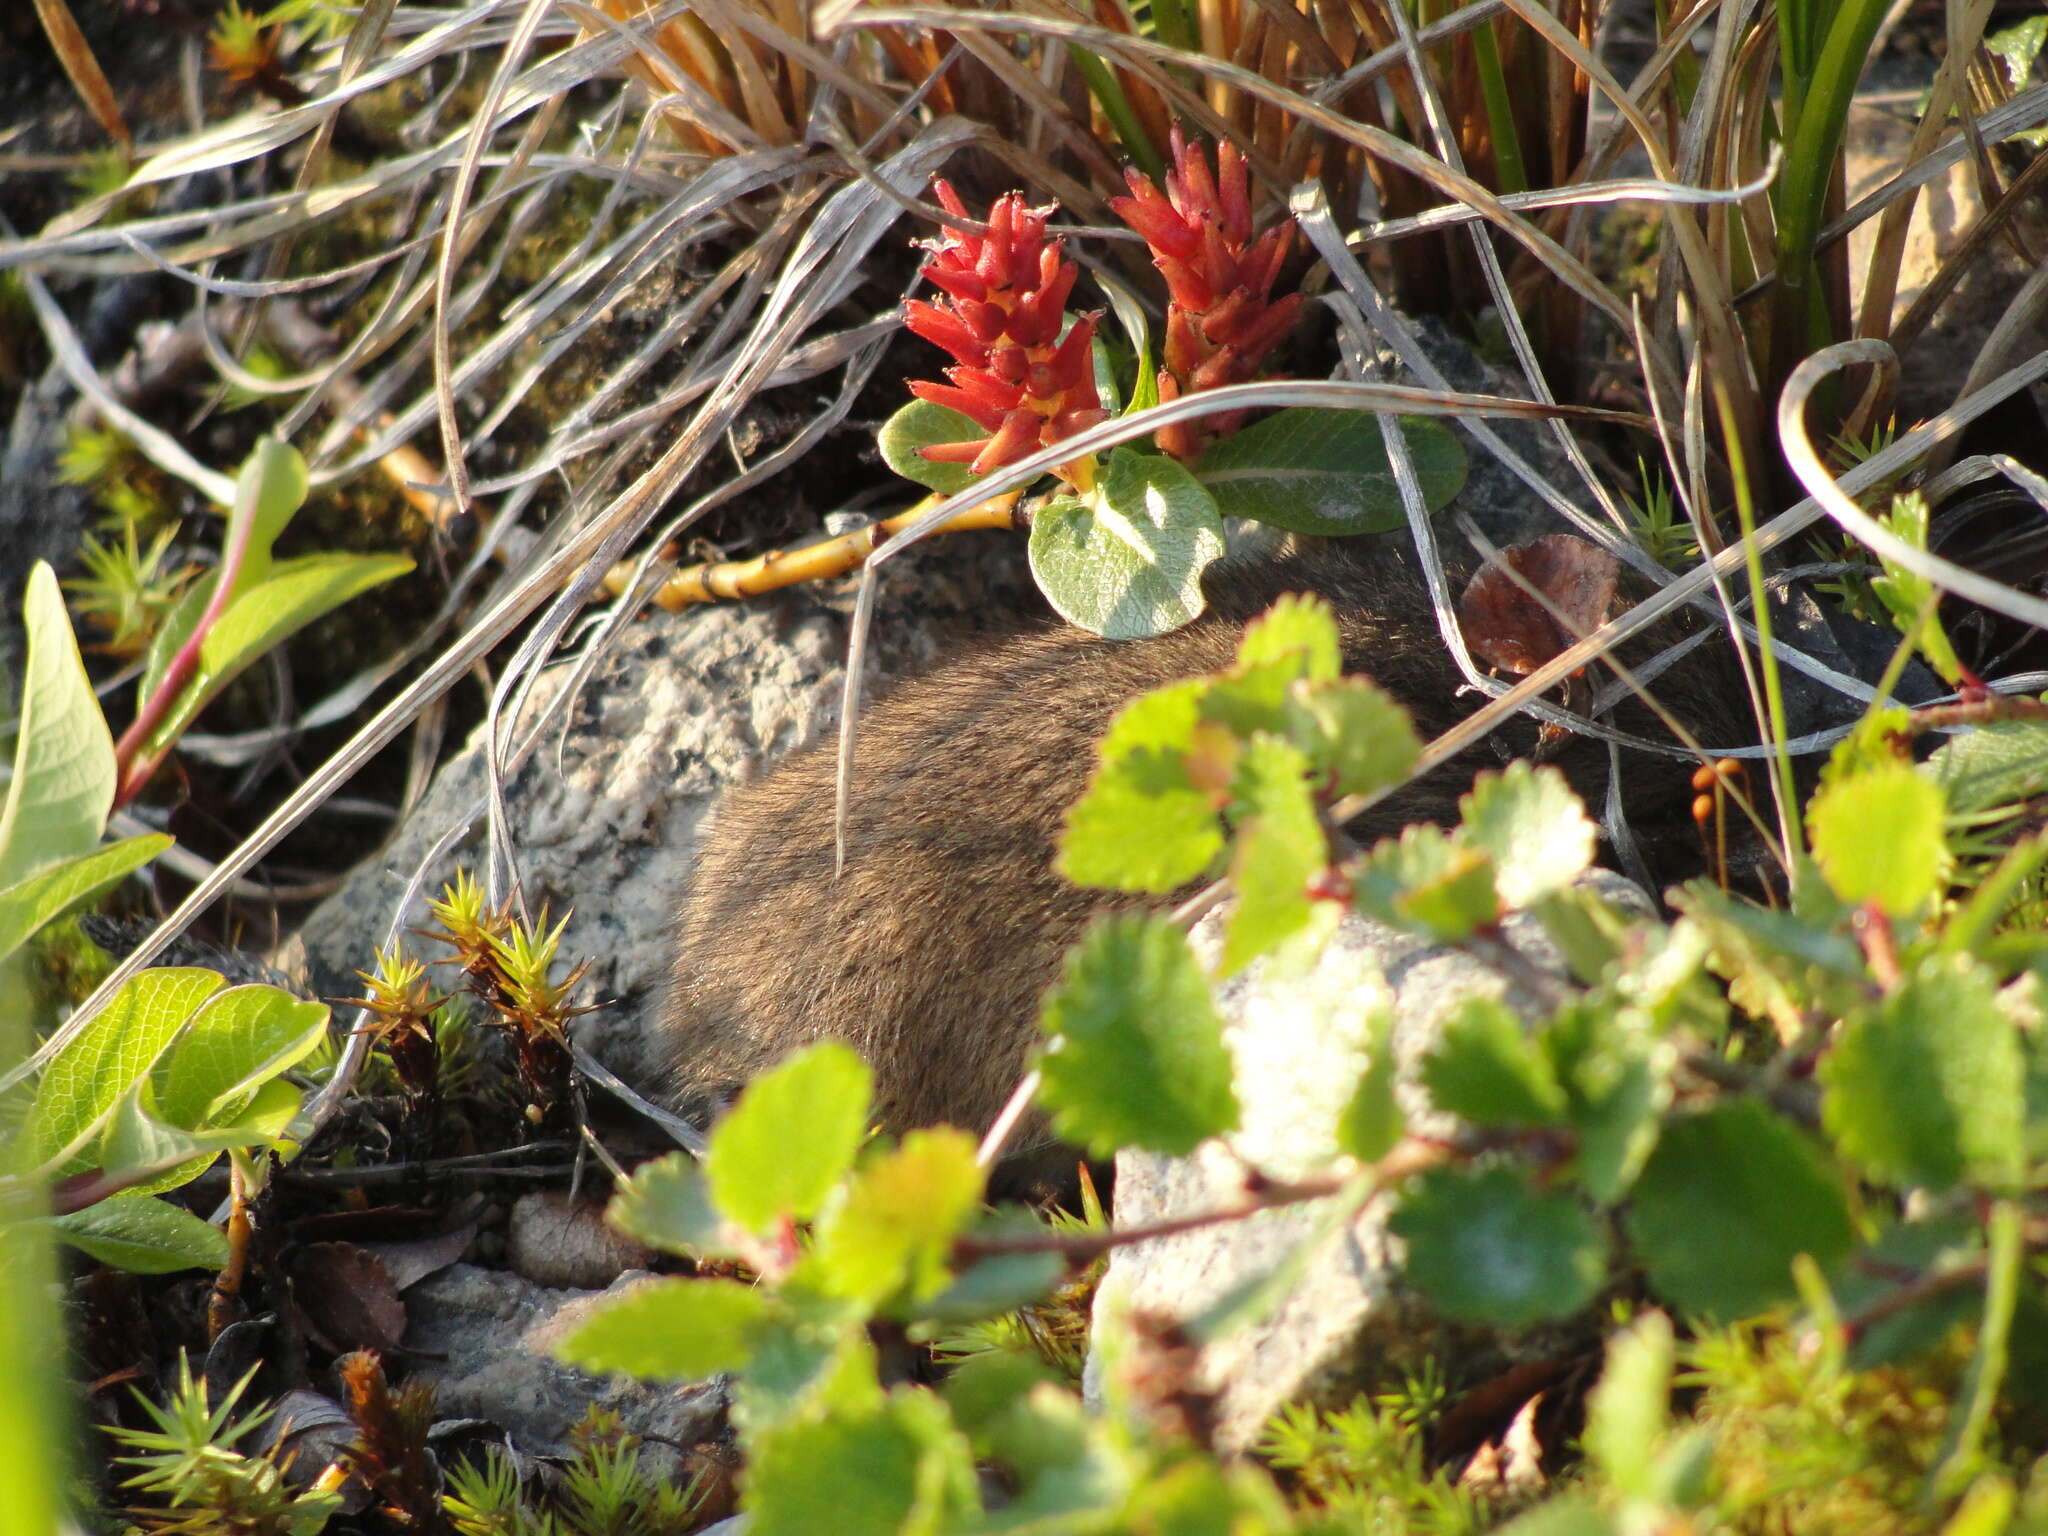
(925, 424)
(1127, 561)
(1996, 764)
(1137, 1056)
(1141, 826)
(1485, 1069)
(675, 1330)
(1362, 738)
(1929, 1088)
(853, 1474)
(1877, 836)
(791, 1137)
(1298, 625)
(1317, 470)
(667, 1205)
(894, 1231)
(1486, 1248)
(1280, 848)
(1726, 1202)
(1534, 828)
(1426, 881)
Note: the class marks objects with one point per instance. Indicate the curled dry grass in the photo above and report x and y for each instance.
(543, 166)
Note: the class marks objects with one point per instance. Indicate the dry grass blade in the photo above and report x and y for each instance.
(159, 447)
(1374, 141)
(1830, 496)
(83, 70)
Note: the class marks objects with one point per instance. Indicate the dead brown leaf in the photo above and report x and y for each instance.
(346, 1296)
(1508, 628)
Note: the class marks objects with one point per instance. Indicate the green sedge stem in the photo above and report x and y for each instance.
(1759, 599)
(1172, 25)
(1108, 92)
(1511, 172)
(1816, 111)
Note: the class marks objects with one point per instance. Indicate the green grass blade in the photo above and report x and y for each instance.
(1109, 95)
(1513, 173)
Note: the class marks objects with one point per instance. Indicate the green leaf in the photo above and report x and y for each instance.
(238, 1040)
(1280, 848)
(672, 1330)
(1911, 598)
(63, 784)
(1486, 1248)
(811, 1351)
(1877, 836)
(1729, 1198)
(1616, 1076)
(1361, 738)
(265, 614)
(1927, 1089)
(1141, 825)
(1316, 470)
(34, 900)
(86, 1080)
(1136, 1055)
(148, 1155)
(1533, 827)
(1994, 765)
(791, 1137)
(1000, 1283)
(207, 1090)
(1130, 316)
(1127, 562)
(269, 489)
(144, 1236)
(1778, 964)
(1629, 1409)
(1299, 626)
(1485, 1069)
(1429, 881)
(898, 1468)
(895, 1229)
(1372, 1125)
(1261, 697)
(925, 424)
(667, 1204)
(272, 485)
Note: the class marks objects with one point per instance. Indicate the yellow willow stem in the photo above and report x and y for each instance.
(725, 580)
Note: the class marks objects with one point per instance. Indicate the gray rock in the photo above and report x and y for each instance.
(1299, 1042)
(560, 1239)
(482, 1338)
(604, 814)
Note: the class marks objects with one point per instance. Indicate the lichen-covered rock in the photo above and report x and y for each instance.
(1299, 1042)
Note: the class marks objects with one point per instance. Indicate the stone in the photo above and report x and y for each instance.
(1299, 1042)
(604, 814)
(558, 1239)
(483, 1339)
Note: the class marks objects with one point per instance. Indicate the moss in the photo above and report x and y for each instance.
(1801, 1447)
